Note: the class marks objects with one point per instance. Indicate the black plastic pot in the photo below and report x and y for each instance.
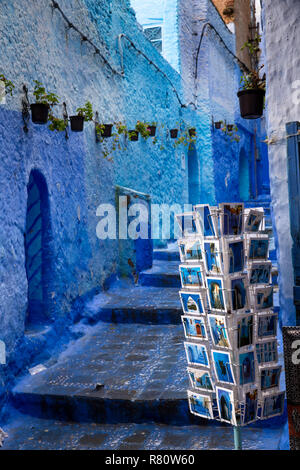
(152, 130)
(106, 132)
(218, 124)
(133, 135)
(251, 103)
(192, 132)
(77, 123)
(173, 133)
(229, 127)
(39, 113)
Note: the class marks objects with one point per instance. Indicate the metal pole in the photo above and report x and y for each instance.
(237, 438)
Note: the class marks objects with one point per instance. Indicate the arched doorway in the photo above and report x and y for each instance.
(244, 178)
(193, 175)
(37, 249)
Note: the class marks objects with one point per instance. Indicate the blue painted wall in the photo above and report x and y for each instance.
(76, 175)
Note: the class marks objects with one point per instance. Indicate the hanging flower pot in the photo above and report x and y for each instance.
(218, 124)
(152, 131)
(251, 103)
(106, 130)
(133, 135)
(77, 123)
(39, 113)
(173, 133)
(192, 132)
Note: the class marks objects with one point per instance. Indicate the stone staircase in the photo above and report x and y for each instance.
(122, 384)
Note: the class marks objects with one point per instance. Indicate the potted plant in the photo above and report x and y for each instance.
(8, 86)
(105, 130)
(152, 129)
(173, 133)
(252, 93)
(218, 124)
(83, 114)
(231, 131)
(192, 132)
(143, 129)
(44, 102)
(133, 135)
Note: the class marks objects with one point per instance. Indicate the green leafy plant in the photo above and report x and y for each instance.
(86, 111)
(57, 124)
(232, 133)
(186, 137)
(9, 86)
(142, 128)
(252, 80)
(253, 45)
(42, 97)
(115, 143)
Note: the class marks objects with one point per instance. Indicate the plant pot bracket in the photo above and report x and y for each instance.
(66, 119)
(25, 109)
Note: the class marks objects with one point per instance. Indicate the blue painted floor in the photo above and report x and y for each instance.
(122, 384)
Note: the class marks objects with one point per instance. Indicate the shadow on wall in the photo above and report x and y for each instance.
(37, 249)
(244, 177)
(193, 175)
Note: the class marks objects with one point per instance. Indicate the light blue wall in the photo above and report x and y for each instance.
(77, 176)
(164, 13)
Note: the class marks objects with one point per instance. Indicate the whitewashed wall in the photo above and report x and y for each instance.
(281, 27)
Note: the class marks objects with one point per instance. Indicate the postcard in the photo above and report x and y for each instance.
(216, 296)
(187, 224)
(251, 406)
(213, 257)
(263, 298)
(258, 248)
(193, 303)
(269, 378)
(218, 330)
(232, 218)
(267, 352)
(205, 220)
(239, 294)
(196, 354)
(245, 330)
(260, 273)
(254, 220)
(200, 405)
(267, 325)
(223, 366)
(190, 250)
(273, 405)
(225, 401)
(191, 276)
(200, 379)
(247, 368)
(234, 257)
(194, 327)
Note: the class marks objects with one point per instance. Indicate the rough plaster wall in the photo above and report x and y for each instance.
(37, 46)
(282, 32)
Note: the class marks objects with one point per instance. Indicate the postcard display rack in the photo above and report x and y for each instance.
(229, 323)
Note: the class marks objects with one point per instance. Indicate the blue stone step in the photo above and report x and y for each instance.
(135, 304)
(166, 255)
(162, 274)
(31, 433)
(142, 369)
